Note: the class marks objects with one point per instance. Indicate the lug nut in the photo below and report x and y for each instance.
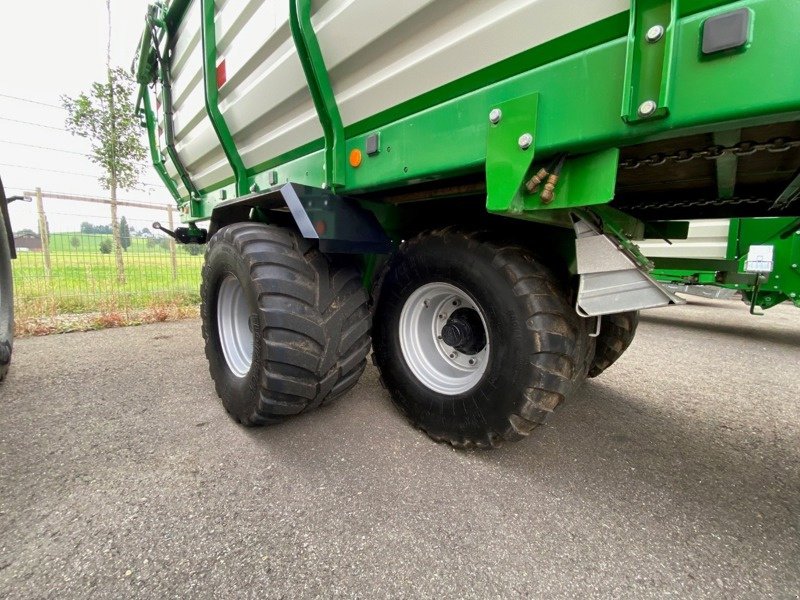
(472, 361)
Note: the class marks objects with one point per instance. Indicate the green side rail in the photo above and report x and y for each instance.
(155, 154)
(211, 94)
(319, 84)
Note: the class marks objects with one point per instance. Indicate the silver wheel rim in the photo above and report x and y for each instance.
(435, 364)
(233, 323)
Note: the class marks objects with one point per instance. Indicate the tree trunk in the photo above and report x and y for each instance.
(115, 232)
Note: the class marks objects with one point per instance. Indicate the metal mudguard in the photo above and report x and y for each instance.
(340, 223)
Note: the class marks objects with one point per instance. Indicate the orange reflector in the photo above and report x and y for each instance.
(355, 157)
(221, 75)
(320, 227)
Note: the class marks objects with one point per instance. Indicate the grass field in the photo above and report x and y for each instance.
(84, 280)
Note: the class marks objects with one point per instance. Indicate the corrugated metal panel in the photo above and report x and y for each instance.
(379, 54)
(707, 239)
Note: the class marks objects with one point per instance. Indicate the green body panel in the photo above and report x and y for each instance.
(581, 80)
(782, 284)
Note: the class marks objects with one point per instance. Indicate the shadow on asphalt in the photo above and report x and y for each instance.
(748, 331)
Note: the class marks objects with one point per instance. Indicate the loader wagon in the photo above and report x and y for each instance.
(455, 185)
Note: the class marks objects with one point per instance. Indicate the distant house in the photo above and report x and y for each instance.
(28, 241)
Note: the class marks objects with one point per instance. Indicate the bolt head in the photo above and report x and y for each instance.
(453, 355)
(495, 115)
(525, 141)
(655, 33)
(472, 361)
(647, 108)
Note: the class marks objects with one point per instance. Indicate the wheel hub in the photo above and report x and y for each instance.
(464, 331)
(443, 338)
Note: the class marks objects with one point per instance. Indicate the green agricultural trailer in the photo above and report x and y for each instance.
(458, 185)
(757, 257)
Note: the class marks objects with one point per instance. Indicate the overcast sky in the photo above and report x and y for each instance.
(50, 48)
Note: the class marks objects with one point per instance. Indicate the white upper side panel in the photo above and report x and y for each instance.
(379, 53)
(708, 238)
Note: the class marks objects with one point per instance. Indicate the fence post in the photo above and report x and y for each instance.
(172, 248)
(44, 234)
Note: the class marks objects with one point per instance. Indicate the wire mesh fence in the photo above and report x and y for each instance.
(76, 268)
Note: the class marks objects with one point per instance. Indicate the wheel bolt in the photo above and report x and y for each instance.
(426, 304)
(453, 355)
(456, 302)
(472, 361)
(441, 316)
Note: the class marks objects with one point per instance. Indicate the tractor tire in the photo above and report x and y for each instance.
(616, 334)
(286, 328)
(6, 299)
(477, 342)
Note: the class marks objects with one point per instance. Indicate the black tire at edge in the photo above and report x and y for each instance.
(6, 300)
(311, 315)
(616, 334)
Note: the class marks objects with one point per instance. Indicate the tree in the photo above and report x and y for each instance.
(105, 116)
(124, 234)
(75, 242)
(193, 249)
(105, 246)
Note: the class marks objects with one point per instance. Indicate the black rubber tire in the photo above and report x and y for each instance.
(616, 334)
(6, 299)
(311, 312)
(538, 343)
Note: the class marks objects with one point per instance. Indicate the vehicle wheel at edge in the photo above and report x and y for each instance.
(616, 334)
(6, 299)
(476, 342)
(286, 328)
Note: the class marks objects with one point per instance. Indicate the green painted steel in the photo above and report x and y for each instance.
(782, 284)
(208, 36)
(507, 159)
(305, 40)
(155, 152)
(649, 61)
(581, 82)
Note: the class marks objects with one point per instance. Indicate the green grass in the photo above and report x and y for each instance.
(83, 279)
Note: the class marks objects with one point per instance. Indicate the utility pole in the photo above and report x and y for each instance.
(44, 235)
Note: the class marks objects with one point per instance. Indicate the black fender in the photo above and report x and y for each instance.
(339, 223)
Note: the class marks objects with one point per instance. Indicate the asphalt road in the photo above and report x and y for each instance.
(676, 473)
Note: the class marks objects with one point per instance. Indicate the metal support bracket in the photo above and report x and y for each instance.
(649, 60)
(155, 152)
(211, 93)
(308, 49)
(611, 279)
(510, 148)
(166, 97)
